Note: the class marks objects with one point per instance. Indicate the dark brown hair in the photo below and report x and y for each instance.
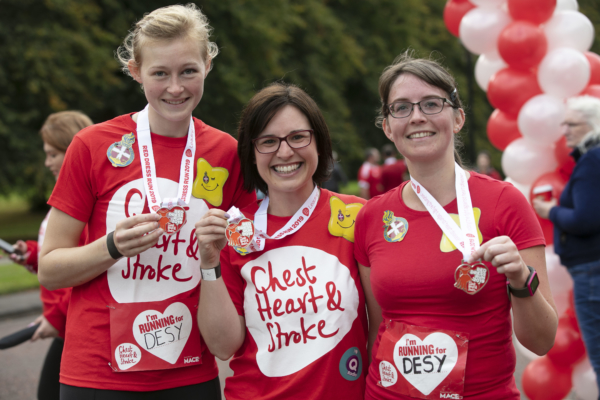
(430, 72)
(59, 128)
(258, 113)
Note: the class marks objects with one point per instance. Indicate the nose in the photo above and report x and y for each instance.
(175, 87)
(47, 162)
(417, 115)
(284, 151)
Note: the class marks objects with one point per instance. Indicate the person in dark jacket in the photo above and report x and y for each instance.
(577, 219)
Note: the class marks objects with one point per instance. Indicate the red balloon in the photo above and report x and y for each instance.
(568, 347)
(522, 45)
(502, 129)
(543, 381)
(535, 11)
(454, 11)
(553, 179)
(591, 90)
(594, 60)
(566, 164)
(510, 88)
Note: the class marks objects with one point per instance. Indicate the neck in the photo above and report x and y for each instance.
(162, 127)
(435, 176)
(286, 204)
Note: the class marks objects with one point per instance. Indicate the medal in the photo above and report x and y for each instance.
(120, 154)
(172, 210)
(470, 278)
(240, 234)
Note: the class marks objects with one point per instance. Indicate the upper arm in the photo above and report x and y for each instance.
(63, 231)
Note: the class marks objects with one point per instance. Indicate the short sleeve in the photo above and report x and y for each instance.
(73, 192)
(233, 281)
(514, 217)
(360, 235)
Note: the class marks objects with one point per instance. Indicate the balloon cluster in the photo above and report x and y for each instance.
(533, 55)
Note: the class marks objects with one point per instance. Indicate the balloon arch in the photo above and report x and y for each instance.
(533, 55)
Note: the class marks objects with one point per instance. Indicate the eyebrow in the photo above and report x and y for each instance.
(185, 66)
(289, 133)
(431, 96)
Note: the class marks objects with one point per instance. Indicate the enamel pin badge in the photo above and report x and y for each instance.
(395, 228)
(120, 154)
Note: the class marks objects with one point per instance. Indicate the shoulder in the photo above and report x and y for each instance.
(489, 187)
(111, 130)
(589, 159)
(346, 198)
(251, 209)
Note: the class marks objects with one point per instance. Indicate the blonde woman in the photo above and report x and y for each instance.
(139, 181)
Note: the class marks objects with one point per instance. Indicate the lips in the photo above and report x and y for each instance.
(175, 102)
(286, 169)
(418, 135)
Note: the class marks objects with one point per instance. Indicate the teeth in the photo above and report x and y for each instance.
(287, 168)
(175, 102)
(420, 135)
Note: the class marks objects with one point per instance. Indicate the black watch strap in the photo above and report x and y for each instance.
(112, 247)
(530, 288)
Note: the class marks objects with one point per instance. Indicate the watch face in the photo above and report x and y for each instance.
(535, 282)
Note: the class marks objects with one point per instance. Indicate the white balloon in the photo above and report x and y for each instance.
(561, 283)
(480, 27)
(564, 72)
(525, 189)
(540, 118)
(584, 381)
(487, 65)
(524, 161)
(569, 28)
(566, 5)
(488, 3)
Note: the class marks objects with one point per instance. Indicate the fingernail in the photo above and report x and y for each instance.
(227, 215)
(31, 324)
(156, 224)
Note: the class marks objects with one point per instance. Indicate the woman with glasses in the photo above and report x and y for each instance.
(445, 256)
(289, 306)
(577, 220)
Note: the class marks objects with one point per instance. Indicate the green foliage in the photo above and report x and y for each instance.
(59, 54)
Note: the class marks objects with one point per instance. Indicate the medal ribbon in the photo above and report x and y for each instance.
(464, 237)
(186, 171)
(260, 221)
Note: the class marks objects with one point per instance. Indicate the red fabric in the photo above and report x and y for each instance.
(90, 189)
(413, 281)
(327, 258)
(369, 177)
(32, 259)
(392, 175)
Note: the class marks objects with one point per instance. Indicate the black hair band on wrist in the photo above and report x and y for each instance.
(112, 247)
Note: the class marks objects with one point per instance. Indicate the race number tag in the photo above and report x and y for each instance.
(421, 362)
(154, 335)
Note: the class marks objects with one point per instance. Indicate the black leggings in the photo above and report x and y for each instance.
(210, 390)
(49, 388)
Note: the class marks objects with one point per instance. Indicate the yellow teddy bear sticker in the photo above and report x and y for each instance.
(446, 245)
(209, 182)
(343, 217)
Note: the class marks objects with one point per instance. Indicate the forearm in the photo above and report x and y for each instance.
(535, 323)
(223, 330)
(68, 267)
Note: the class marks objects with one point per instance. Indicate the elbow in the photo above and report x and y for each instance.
(45, 278)
(223, 355)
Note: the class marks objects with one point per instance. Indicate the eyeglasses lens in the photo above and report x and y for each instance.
(270, 144)
(427, 106)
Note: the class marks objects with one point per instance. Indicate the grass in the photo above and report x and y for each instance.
(351, 188)
(15, 278)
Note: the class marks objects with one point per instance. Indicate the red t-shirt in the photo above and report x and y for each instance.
(413, 281)
(91, 190)
(306, 328)
(369, 177)
(392, 175)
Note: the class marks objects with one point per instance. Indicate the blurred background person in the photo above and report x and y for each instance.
(484, 165)
(393, 171)
(369, 175)
(577, 219)
(57, 133)
(337, 178)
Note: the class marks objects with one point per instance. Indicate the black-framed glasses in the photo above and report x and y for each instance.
(296, 140)
(402, 109)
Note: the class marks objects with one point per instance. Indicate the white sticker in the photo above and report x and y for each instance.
(127, 355)
(388, 374)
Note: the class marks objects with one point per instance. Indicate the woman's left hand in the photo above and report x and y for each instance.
(542, 208)
(45, 330)
(504, 255)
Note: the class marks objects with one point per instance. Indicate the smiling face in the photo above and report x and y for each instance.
(574, 128)
(420, 137)
(343, 217)
(288, 170)
(54, 159)
(172, 73)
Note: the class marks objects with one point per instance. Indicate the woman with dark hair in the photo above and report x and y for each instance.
(290, 307)
(447, 247)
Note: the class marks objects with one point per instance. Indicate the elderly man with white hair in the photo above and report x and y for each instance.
(577, 219)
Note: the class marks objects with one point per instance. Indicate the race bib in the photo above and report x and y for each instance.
(154, 335)
(421, 362)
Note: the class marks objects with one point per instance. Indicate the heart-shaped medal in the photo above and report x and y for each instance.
(471, 278)
(240, 234)
(171, 218)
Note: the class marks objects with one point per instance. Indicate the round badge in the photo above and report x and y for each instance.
(351, 364)
(171, 219)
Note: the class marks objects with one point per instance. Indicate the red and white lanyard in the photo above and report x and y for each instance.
(186, 171)
(465, 236)
(260, 221)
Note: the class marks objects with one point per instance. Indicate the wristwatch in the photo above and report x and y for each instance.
(211, 274)
(531, 285)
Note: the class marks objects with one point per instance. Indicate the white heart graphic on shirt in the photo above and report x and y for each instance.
(127, 355)
(425, 363)
(164, 334)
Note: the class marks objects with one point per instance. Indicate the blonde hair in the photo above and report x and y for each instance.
(167, 23)
(60, 128)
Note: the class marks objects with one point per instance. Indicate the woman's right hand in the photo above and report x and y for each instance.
(136, 234)
(210, 232)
